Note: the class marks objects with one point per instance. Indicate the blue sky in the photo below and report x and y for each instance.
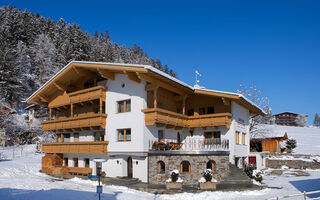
(274, 45)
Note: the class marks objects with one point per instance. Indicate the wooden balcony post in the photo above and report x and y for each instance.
(62, 137)
(155, 97)
(100, 105)
(71, 108)
(184, 104)
(50, 113)
(57, 138)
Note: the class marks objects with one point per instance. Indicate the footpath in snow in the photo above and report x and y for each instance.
(20, 179)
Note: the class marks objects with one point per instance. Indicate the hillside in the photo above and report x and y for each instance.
(33, 48)
(308, 138)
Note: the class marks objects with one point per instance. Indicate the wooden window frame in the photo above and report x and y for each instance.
(124, 105)
(212, 136)
(237, 137)
(124, 135)
(160, 171)
(212, 165)
(243, 138)
(101, 136)
(181, 167)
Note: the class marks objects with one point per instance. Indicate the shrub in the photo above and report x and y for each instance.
(174, 175)
(207, 174)
(291, 144)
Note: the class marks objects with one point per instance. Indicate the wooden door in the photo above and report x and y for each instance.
(130, 167)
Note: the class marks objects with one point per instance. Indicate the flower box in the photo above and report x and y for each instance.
(208, 186)
(173, 185)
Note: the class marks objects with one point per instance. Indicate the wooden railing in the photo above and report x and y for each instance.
(97, 92)
(76, 147)
(158, 116)
(82, 121)
(88, 94)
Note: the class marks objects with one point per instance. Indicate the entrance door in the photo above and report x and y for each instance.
(129, 167)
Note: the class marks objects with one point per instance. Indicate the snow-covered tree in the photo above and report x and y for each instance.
(301, 120)
(255, 95)
(316, 120)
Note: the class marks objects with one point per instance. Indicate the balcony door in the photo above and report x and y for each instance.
(129, 161)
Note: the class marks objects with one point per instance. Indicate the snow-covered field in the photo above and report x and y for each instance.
(308, 139)
(20, 179)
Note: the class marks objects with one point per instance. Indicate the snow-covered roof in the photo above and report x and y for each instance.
(270, 133)
(153, 69)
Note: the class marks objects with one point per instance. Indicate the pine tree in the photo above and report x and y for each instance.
(316, 121)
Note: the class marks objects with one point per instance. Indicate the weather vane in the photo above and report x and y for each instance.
(197, 74)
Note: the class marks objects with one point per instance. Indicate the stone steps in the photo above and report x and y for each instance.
(236, 177)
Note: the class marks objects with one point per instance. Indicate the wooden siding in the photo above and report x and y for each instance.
(158, 116)
(270, 145)
(82, 121)
(76, 147)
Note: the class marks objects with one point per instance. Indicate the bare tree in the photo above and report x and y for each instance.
(301, 120)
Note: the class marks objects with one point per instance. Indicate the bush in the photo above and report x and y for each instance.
(258, 177)
(249, 170)
(291, 144)
(174, 175)
(207, 174)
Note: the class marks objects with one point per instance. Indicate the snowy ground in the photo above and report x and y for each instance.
(307, 138)
(20, 179)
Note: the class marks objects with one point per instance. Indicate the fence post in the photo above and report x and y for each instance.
(304, 195)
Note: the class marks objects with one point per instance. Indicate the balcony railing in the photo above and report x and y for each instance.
(89, 94)
(76, 147)
(80, 170)
(192, 144)
(158, 116)
(199, 144)
(86, 120)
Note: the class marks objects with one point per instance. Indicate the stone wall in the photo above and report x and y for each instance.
(296, 164)
(198, 164)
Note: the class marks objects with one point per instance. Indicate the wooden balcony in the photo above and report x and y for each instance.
(160, 117)
(219, 119)
(97, 92)
(76, 147)
(88, 94)
(82, 121)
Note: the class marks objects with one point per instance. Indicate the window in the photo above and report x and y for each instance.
(243, 138)
(237, 137)
(202, 111)
(185, 167)
(75, 162)
(210, 165)
(86, 163)
(58, 138)
(103, 107)
(66, 137)
(65, 162)
(210, 110)
(161, 167)
(160, 135)
(124, 135)
(190, 112)
(212, 138)
(76, 137)
(124, 106)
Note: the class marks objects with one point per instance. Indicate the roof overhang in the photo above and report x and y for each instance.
(78, 70)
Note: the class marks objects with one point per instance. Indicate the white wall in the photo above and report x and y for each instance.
(134, 119)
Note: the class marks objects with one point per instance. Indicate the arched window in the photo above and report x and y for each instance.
(210, 165)
(161, 167)
(185, 167)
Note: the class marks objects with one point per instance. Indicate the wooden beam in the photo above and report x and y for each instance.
(132, 76)
(151, 86)
(59, 87)
(44, 99)
(161, 83)
(106, 74)
(226, 102)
